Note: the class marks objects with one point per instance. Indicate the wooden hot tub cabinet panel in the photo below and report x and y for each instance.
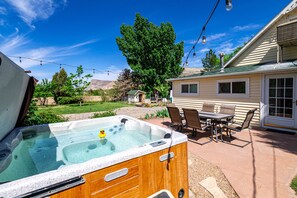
(146, 176)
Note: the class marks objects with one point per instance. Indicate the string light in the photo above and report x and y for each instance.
(194, 53)
(229, 5)
(202, 32)
(204, 39)
(41, 62)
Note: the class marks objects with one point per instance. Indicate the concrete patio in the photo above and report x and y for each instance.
(258, 163)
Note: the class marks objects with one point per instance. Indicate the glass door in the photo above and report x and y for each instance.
(281, 95)
(280, 100)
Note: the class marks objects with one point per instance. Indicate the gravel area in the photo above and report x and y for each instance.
(200, 169)
(136, 112)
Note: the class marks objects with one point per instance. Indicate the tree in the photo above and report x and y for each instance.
(151, 52)
(77, 83)
(125, 82)
(43, 90)
(211, 61)
(227, 57)
(58, 82)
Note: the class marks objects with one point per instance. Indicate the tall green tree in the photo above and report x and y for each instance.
(43, 90)
(58, 82)
(151, 52)
(78, 81)
(211, 61)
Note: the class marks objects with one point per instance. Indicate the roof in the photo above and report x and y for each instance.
(134, 92)
(287, 9)
(231, 71)
(100, 84)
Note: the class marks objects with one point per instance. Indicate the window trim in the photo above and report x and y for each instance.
(234, 95)
(189, 83)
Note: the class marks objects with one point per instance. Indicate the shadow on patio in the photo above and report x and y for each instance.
(258, 163)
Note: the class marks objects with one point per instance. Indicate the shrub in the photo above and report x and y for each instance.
(162, 113)
(69, 100)
(35, 118)
(104, 114)
(147, 116)
(294, 185)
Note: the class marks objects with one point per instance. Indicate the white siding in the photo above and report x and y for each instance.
(264, 49)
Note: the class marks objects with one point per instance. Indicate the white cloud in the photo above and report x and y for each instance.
(2, 10)
(211, 37)
(33, 10)
(246, 27)
(204, 50)
(18, 45)
(215, 37)
(13, 42)
(226, 47)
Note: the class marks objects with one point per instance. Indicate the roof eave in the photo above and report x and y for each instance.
(231, 74)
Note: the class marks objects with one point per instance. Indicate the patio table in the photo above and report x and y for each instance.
(215, 119)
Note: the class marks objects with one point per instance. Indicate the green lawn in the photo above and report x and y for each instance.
(84, 108)
(294, 184)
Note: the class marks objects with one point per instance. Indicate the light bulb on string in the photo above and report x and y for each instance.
(41, 63)
(60, 66)
(93, 71)
(20, 59)
(229, 5)
(194, 53)
(204, 39)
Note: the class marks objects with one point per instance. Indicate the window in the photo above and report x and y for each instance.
(189, 88)
(233, 87)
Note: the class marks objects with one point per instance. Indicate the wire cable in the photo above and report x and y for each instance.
(203, 28)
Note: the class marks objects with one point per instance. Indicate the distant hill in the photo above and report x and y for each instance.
(190, 71)
(100, 84)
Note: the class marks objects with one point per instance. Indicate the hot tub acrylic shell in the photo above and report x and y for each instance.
(32, 183)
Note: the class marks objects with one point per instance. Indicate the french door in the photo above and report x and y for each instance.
(280, 99)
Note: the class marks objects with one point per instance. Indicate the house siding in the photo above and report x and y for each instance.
(264, 49)
(208, 93)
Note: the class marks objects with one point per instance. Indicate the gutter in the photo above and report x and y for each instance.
(230, 74)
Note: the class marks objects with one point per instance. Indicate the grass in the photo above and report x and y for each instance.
(294, 185)
(84, 108)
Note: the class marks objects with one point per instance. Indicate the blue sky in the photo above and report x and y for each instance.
(79, 32)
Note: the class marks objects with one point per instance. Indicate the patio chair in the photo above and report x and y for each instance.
(193, 121)
(207, 107)
(227, 109)
(175, 117)
(239, 127)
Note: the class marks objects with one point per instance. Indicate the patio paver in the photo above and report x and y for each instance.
(262, 168)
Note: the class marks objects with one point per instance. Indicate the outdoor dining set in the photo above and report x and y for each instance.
(207, 119)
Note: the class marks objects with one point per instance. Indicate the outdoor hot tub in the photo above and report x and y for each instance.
(134, 159)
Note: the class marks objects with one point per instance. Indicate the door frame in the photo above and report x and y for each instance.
(292, 123)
